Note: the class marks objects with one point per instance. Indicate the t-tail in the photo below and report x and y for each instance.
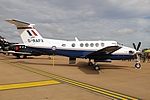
(27, 32)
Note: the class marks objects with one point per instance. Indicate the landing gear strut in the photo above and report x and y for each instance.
(137, 65)
(18, 56)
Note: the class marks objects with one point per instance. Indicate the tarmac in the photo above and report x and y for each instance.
(35, 78)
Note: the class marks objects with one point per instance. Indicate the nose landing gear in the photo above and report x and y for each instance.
(137, 65)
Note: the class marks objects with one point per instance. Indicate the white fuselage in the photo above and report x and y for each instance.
(77, 49)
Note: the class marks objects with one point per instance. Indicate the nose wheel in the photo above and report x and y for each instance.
(138, 65)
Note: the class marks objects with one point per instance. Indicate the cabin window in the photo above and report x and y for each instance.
(81, 45)
(96, 44)
(63, 45)
(102, 44)
(91, 44)
(73, 44)
(86, 44)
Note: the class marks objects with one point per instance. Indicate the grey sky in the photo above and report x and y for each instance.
(124, 21)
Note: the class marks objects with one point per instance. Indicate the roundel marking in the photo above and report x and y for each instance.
(53, 47)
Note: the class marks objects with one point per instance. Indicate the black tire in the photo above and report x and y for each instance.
(49, 58)
(138, 65)
(24, 56)
(18, 57)
(96, 67)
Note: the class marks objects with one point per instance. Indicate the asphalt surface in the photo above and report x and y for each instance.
(35, 78)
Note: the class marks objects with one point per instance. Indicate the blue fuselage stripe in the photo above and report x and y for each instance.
(78, 53)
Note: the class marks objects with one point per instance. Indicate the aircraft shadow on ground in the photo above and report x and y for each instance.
(49, 64)
(83, 66)
(80, 65)
(90, 70)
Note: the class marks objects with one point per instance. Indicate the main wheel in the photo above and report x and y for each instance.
(49, 58)
(24, 56)
(90, 64)
(137, 65)
(96, 67)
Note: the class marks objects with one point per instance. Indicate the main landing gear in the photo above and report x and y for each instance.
(18, 56)
(95, 66)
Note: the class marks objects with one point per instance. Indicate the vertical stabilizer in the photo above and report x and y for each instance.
(27, 32)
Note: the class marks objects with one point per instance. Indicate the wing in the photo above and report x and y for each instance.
(103, 53)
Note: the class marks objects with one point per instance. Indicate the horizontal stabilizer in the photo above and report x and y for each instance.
(18, 23)
(14, 52)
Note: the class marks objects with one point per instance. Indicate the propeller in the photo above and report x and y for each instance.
(134, 46)
(138, 47)
(137, 65)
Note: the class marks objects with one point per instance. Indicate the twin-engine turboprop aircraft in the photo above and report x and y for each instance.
(99, 51)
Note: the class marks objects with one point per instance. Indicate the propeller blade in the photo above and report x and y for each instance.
(138, 47)
(134, 46)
